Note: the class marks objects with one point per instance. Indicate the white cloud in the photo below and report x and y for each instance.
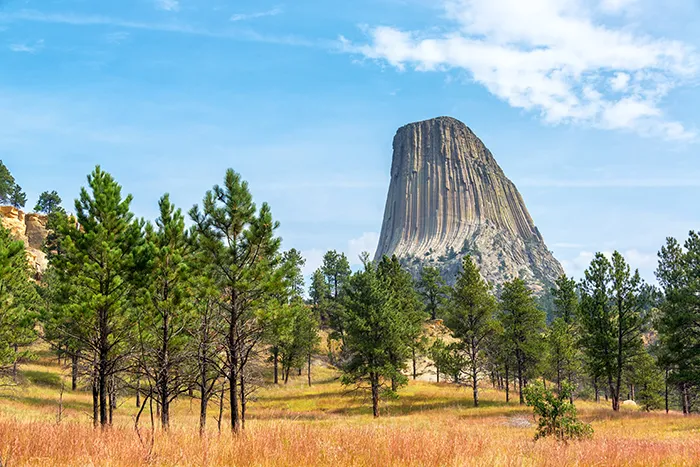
(367, 242)
(96, 20)
(620, 81)
(616, 6)
(168, 5)
(27, 48)
(553, 57)
(259, 14)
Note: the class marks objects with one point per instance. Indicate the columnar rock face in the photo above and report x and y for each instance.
(448, 197)
(30, 229)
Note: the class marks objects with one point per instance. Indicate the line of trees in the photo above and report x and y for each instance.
(163, 311)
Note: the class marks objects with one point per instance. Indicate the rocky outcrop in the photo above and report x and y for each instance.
(448, 197)
(30, 229)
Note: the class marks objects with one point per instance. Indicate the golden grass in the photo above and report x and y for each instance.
(429, 424)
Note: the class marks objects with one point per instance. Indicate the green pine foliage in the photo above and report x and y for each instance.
(471, 318)
(18, 306)
(237, 242)
(612, 319)
(376, 335)
(556, 415)
(523, 329)
(48, 203)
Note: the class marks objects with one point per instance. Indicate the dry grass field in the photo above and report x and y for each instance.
(430, 424)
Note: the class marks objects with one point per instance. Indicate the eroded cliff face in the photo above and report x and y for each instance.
(30, 229)
(448, 197)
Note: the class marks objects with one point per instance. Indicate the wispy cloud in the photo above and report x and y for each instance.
(168, 5)
(553, 57)
(259, 14)
(172, 27)
(27, 48)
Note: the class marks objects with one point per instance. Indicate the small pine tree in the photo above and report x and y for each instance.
(556, 415)
(48, 203)
(18, 198)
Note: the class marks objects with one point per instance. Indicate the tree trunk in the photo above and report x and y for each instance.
(475, 385)
(374, 379)
(244, 399)
(686, 399)
(415, 370)
(138, 392)
(666, 389)
(221, 406)
(520, 378)
(275, 362)
(74, 371)
(595, 388)
(102, 366)
(14, 364)
(203, 402)
(165, 375)
(507, 385)
(308, 371)
(437, 372)
(95, 403)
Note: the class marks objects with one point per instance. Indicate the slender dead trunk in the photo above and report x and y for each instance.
(221, 405)
(165, 375)
(138, 392)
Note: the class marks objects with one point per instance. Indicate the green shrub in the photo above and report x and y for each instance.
(556, 415)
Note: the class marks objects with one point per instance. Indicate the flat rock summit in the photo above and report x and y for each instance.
(448, 198)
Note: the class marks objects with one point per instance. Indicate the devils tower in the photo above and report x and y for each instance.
(448, 198)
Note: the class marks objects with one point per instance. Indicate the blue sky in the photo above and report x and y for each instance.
(590, 106)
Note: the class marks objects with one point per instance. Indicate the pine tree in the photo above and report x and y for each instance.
(375, 335)
(165, 314)
(239, 244)
(7, 184)
(523, 324)
(18, 300)
(100, 256)
(612, 319)
(18, 198)
(433, 289)
(336, 272)
(471, 318)
(404, 298)
(678, 272)
(48, 203)
(562, 335)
